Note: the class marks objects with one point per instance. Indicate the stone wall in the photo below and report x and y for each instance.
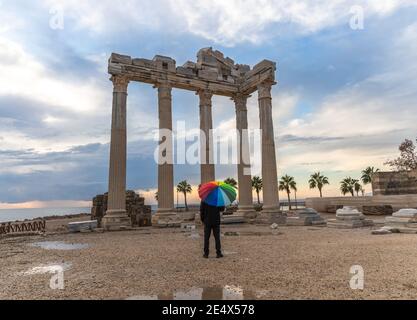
(394, 183)
(397, 202)
(139, 213)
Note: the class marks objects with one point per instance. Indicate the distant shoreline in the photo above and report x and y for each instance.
(30, 214)
(53, 217)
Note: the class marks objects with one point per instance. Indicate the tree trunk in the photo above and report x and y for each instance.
(185, 200)
(289, 201)
(257, 194)
(321, 195)
(296, 204)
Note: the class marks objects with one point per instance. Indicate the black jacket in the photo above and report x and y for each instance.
(210, 215)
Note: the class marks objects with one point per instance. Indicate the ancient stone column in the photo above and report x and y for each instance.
(166, 213)
(206, 139)
(270, 206)
(116, 215)
(243, 168)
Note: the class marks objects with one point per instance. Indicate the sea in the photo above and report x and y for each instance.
(7, 215)
(22, 214)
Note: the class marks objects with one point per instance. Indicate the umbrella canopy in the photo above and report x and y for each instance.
(217, 193)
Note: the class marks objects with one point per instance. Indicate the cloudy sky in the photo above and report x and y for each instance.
(346, 97)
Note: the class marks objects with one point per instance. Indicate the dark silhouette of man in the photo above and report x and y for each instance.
(210, 216)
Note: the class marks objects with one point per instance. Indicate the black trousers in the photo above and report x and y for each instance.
(216, 232)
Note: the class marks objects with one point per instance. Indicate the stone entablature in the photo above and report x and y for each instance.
(394, 183)
(212, 72)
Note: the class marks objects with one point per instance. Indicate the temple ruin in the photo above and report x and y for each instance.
(212, 74)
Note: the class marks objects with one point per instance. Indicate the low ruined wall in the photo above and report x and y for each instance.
(139, 213)
(396, 201)
(394, 183)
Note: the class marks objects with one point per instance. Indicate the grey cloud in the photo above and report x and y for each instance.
(306, 139)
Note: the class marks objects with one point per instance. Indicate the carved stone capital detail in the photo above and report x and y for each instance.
(240, 101)
(164, 90)
(205, 97)
(264, 90)
(120, 83)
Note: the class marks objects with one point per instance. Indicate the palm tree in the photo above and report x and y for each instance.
(317, 180)
(347, 185)
(156, 196)
(231, 181)
(367, 174)
(294, 187)
(357, 186)
(285, 184)
(257, 185)
(185, 188)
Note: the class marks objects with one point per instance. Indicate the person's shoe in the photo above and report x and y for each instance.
(205, 256)
(219, 255)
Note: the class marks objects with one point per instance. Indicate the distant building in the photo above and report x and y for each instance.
(394, 183)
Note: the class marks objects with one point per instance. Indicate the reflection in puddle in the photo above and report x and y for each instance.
(207, 293)
(59, 245)
(48, 268)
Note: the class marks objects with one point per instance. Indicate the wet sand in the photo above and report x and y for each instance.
(295, 263)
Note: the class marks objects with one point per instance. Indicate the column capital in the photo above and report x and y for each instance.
(240, 101)
(205, 97)
(264, 89)
(163, 85)
(120, 83)
(164, 90)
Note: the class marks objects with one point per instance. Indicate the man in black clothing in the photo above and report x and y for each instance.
(210, 216)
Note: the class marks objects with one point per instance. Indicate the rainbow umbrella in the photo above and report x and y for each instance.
(217, 193)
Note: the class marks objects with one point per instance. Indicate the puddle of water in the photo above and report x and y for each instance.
(59, 245)
(48, 268)
(207, 293)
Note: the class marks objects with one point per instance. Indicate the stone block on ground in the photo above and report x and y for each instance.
(81, 226)
(232, 219)
(403, 220)
(349, 218)
(306, 217)
(377, 210)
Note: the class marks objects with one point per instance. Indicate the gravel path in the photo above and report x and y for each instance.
(296, 263)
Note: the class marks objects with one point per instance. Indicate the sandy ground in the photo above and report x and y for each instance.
(296, 263)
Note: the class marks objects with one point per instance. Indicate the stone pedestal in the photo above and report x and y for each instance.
(401, 221)
(405, 220)
(247, 212)
(306, 217)
(166, 220)
(116, 220)
(349, 218)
